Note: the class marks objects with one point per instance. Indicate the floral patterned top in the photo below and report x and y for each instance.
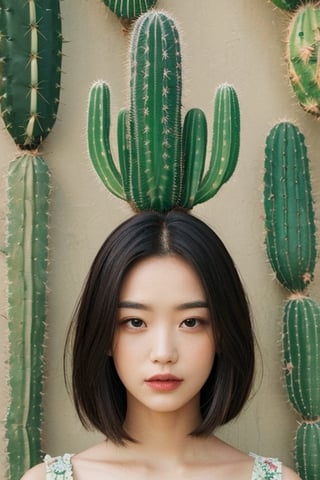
(60, 468)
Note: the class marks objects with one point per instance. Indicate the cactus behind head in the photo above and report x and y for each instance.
(161, 162)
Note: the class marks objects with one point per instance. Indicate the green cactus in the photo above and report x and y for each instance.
(289, 216)
(129, 8)
(30, 50)
(301, 346)
(288, 4)
(27, 270)
(161, 164)
(290, 240)
(30, 37)
(303, 56)
(307, 450)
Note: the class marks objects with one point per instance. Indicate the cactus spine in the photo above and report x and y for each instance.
(30, 49)
(129, 8)
(303, 57)
(290, 240)
(161, 163)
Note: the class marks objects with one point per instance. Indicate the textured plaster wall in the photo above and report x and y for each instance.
(235, 41)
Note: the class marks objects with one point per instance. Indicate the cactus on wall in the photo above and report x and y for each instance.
(30, 68)
(303, 49)
(289, 5)
(161, 161)
(291, 249)
(129, 9)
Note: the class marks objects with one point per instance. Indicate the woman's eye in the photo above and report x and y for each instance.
(135, 323)
(191, 322)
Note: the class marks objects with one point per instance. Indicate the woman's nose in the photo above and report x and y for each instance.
(164, 349)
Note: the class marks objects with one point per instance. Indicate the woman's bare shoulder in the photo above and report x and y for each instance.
(36, 473)
(289, 474)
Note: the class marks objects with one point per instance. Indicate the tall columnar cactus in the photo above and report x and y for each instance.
(30, 51)
(161, 162)
(303, 57)
(129, 8)
(290, 240)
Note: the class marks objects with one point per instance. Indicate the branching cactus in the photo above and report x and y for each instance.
(290, 240)
(303, 57)
(129, 9)
(161, 162)
(30, 50)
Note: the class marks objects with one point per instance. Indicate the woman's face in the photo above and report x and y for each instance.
(164, 344)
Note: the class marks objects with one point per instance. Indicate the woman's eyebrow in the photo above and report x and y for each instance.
(194, 304)
(183, 306)
(130, 304)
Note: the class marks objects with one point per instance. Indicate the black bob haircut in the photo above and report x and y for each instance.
(99, 395)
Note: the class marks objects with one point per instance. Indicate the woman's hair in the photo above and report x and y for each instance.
(99, 395)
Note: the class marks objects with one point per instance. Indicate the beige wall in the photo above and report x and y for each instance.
(235, 41)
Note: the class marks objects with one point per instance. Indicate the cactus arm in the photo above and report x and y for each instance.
(194, 152)
(30, 79)
(225, 143)
(289, 217)
(98, 138)
(155, 112)
(28, 184)
(129, 8)
(124, 152)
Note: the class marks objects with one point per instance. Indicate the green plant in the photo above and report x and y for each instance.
(289, 216)
(30, 50)
(291, 248)
(303, 57)
(129, 8)
(288, 4)
(161, 162)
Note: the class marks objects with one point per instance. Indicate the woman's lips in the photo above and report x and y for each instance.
(164, 382)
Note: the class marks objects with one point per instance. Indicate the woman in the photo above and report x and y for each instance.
(163, 354)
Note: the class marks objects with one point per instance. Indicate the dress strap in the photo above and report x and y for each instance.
(59, 468)
(266, 468)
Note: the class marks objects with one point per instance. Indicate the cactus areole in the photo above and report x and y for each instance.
(161, 161)
(303, 57)
(288, 204)
(30, 67)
